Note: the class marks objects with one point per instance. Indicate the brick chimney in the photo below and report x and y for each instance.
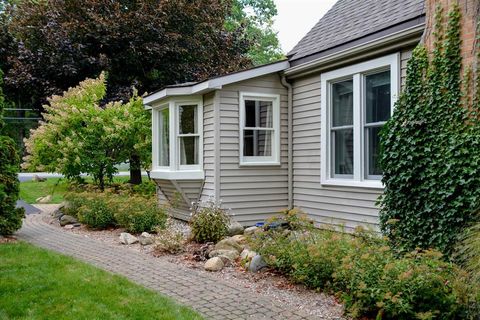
(470, 10)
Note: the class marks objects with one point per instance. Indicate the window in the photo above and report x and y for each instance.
(356, 103)
(259, 129)
(177, 136)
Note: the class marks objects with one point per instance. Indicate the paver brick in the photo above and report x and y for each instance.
(210, 296)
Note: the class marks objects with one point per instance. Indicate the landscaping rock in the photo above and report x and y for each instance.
(247, 254)
(57, 214)
(257, 264)
(146, 239)
(240, 239)
(229, 254)
(228, 244)
(127, 238)
(235, 228)
(214, 264)
(45, 199)
(37, 178)
(66, 219)
(69, 226)
(250, 231)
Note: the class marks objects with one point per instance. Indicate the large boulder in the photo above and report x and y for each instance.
(66, 219)
(247, 254)
(127, 238)
(228, 254)
(214, 264)
(146, 239)
(251, 230)
(58, 213)
(46, 199)
(240, 239)
(228, 244)
(37, 178)
(235, 228)
(257, 264)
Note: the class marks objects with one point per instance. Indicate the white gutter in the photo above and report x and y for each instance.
(216, 83)
(403, 38)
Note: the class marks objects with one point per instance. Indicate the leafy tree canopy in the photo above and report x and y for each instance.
(49, 46)
(78, 136)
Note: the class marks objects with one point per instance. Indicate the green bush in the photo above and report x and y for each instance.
(138, 214)
(102, 210)
(209, 222)
(371, 278)
(431, 150)
(10, 217)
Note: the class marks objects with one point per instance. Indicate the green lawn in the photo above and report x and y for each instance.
(31, 190)
(39, 284)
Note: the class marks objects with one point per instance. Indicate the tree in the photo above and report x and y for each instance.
(79, 136)
(255, 17)
(53, 45)
(10, 217)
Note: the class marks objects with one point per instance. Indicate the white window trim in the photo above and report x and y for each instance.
(175, 171)
(274, 159)
(354, 71)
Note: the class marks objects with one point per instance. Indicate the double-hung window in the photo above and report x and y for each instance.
(356, 102)
(177, 139)
(259, 129)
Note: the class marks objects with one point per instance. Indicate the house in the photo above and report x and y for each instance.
(302, 132)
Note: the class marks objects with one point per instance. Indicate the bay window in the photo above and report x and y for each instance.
(177, 139)
(356, 102)
(259, 129)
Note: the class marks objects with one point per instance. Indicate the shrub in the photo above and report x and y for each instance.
(431, 150)
(169, 240)
(10, 217)
(209, 222)
(138, 214)
(369, 276)
(101, 210)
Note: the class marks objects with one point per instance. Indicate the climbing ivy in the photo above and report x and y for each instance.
(431, 148)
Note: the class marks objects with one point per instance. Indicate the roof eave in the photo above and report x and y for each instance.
(404, 38)
(215, 83)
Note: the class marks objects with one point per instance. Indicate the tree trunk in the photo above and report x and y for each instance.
(101, 180)
(135, 169)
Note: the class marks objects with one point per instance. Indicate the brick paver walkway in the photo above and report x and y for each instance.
(212, 297)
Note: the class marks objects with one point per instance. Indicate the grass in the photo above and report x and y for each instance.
(57, 187)
(39, 284)
(32, 190)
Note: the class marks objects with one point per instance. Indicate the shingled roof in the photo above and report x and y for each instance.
(349, 20)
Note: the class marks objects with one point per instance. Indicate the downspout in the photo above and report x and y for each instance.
(288, 86)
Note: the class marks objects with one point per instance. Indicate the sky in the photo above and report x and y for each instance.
(296, 17)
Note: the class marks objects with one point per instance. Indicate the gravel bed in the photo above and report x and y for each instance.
(268, 283)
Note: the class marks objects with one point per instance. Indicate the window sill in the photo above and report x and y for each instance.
(178, 175)
(371, 184)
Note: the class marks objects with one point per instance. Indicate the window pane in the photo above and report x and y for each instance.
(378, 97)
(257, 143)
(342, 142)
(189, 150)
(164, 153)
(188, 119)
(373, 151)
(258, 114)
(342, 103)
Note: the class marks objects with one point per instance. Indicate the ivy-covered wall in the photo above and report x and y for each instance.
(431, 146)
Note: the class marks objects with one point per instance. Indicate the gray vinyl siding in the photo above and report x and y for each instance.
(343, 206)
(251, 193)
(209, 146)
(178, 195)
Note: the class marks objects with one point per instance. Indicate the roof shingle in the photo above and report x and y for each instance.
(349, 20)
